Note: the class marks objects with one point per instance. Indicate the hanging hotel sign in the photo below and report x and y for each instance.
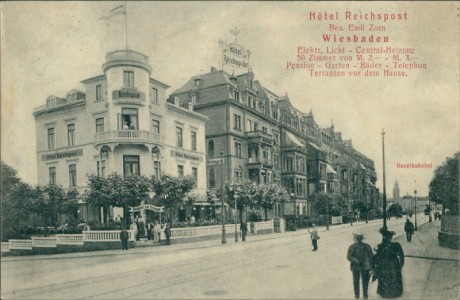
(214, 161)
(128, 94)
(62, 154)
(233, 54)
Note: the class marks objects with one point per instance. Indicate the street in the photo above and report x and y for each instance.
(278, 266)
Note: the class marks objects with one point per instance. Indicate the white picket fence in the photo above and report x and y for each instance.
(65, 239)
(114, 235)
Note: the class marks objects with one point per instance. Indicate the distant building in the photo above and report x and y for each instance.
(121, 124)
(396, 192)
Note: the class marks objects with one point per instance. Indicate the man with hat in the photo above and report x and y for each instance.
(360, 256)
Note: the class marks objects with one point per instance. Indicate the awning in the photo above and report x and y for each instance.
(314, 146)
(291, 138)
(329, 169)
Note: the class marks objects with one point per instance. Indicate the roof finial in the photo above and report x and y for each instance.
(235, 31)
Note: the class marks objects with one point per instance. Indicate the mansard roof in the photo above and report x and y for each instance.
(214, 78)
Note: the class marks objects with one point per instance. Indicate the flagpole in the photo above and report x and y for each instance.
(126, 24)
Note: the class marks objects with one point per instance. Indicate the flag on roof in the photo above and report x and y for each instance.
(119, 10)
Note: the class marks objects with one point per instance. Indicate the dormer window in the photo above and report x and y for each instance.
(197, 81)
(236, 95)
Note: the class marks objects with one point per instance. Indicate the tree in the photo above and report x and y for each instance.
(322, 203)
(395, 210)
(115, 190)
(17, 201)
(246, 194)
(444, 187)
(171, 191)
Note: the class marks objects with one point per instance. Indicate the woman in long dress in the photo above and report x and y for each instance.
(388, 263)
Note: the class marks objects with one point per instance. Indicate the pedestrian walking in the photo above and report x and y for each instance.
(156, 232)
(168, 234)
(409, 229)
(244, 230)
(133, 227)
(314, 237)
(124, 236)
(388, 263)
(360, 256)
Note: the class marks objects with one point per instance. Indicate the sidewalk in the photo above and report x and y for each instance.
(430, 271)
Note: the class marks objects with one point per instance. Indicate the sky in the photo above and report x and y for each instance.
(49, 47)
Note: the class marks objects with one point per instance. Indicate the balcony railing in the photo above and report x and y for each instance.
(128, 136)
(134, 58)
(127, 55)
(259, 161)
(260, 137)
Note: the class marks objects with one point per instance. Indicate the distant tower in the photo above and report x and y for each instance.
(396, 192)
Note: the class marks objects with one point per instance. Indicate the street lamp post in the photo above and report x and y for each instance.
(384, 202)
(236, 226)
(415, 209)
(224, 240)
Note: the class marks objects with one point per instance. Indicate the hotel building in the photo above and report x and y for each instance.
(121, 123)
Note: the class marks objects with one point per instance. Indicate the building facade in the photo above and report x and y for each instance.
(121, 123)
(262, 137)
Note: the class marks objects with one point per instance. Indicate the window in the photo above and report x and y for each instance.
(99, 125)
(154, 95)
(51, 138)
(52, 175)
(212, 178)
(248, 125)
(239, 175)
(129, 118)
(236, 95)
(72, 175)
(237, 149)
(275, 139)
(179, 141)
(211, 148)
(256, 126)
(264, 129)
(128, 78)
(193, 99)
(195, 175)
(100, 168)
(98, 92)
(71, 134)
(131, 165)
(276, 160)
(193, 138)
(156, 126)
(157, 169)
(237, 122)
(180, 170)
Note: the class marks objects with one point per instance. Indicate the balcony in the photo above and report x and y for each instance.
(128, 137)
(123, 57)
(260, 137)
(255, 163)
